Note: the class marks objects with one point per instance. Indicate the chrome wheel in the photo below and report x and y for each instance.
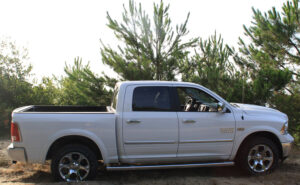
(74, 166)
(260, 158)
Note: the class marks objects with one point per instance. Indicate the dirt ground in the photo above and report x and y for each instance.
(287, 173)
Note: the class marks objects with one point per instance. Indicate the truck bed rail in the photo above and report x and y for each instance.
(52, 108)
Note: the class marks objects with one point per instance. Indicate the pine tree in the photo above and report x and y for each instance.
(150, 49)
(272, 59)
(212, 68)
(83, 87)
(273, 55)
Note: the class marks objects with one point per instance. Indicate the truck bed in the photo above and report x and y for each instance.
(52, 108)
(42, 125)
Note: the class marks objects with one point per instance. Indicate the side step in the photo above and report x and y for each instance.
(167, 166)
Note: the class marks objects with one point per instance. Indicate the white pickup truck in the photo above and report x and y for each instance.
(150, 125)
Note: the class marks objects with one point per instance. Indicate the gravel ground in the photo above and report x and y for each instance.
(20, 173)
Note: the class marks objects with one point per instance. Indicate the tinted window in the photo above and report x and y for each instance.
(196, 100)
(151, 99)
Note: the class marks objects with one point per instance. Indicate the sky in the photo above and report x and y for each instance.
(57, 31)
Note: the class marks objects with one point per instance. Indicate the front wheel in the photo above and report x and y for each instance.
(258, 156)
(74, 163)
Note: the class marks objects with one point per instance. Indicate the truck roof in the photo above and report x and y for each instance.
(154, 82)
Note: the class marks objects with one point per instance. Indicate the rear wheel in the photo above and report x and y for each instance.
(258, 156)
(74, 163)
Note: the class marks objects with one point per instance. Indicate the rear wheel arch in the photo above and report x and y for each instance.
(269, 135)
(74, 139)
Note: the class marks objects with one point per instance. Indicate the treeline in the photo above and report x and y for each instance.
(263, 70)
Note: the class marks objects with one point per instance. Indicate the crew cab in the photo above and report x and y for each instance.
(150, 125)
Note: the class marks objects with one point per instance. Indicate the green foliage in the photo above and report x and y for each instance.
(291, 106)
(14, 88)
(13, 75)
(211, 67)
(83, 87)
(150, 49)
(267, 82)
(47, 92)
(275, 44)
(272, 59)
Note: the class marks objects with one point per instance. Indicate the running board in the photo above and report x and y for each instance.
(167, 166)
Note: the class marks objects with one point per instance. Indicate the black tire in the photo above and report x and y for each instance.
(74, 149)
(242, 158)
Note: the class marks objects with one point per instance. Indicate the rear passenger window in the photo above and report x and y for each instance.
(151, 99)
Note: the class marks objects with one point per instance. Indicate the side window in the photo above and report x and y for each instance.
(151, 99)
(195, 100)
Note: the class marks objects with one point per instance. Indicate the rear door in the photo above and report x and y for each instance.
(150, 124)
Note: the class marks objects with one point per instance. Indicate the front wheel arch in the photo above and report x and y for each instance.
(266, 134)
(259, 159)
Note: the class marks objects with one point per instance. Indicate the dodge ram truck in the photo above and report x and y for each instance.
(150, 125)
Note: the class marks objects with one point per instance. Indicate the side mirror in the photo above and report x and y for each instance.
(221, 107)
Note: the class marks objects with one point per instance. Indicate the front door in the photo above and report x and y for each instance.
(150, 124)
(205, 134)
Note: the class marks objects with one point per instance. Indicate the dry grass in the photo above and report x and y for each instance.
(287, 173)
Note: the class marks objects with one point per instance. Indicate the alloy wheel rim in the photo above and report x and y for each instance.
(260, 158)
(74, 166)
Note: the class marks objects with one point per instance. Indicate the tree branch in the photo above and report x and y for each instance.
(293, 44)
(289, 90)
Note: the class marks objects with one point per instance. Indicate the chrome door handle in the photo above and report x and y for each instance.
(188, 121)
(133, 121)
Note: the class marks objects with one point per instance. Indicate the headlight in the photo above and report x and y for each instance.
(284, 129)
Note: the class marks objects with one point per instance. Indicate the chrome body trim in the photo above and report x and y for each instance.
(206, 141)
(189, 121)
(150, 142)
(133, 121)
(167, 166)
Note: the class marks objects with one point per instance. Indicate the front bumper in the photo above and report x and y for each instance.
(286, 149)
(16, 153)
